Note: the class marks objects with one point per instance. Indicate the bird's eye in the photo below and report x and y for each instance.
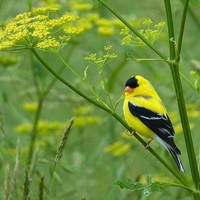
(132, 82)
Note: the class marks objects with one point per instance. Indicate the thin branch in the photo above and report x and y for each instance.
(183, 20)
(180, 99)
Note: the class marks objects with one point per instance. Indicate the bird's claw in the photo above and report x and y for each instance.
(148, 144)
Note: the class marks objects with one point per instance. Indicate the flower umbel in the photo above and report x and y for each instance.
(102, 60)
(37, 29)
(149, 33)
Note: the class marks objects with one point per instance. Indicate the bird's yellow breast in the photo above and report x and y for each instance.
(147, 102)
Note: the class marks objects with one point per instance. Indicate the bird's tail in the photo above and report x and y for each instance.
(173, 150)
(176, 158)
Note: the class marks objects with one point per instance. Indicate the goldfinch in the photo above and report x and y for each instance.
(145, 113)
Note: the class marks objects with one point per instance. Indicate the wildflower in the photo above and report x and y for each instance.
(118, 148)
(92, 17)
(147, 22)
(46, 9)
(44, 127)
(82, 110)
(73, 30)
(193, 113)
(84, 24)
(37, 29)
(105, 27)
(86, 120)
(81, 6)
(105, 30)
(178, 127)
(150, 34)
(91, 57)
(48, 43)
(102, 60)
(113, 146)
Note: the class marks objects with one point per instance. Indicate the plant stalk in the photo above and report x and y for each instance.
(179, 93)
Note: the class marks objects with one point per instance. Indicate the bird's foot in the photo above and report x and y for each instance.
(130, 133)
(148, 144)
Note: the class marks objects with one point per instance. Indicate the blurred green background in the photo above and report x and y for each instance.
(98, 152)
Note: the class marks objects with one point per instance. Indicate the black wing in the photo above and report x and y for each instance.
(158, 123)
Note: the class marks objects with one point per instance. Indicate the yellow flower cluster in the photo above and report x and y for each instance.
(105, 27)
(80, 6)
(88, 20)
(86, 120)
(150, 34)
(85, 116)
(43, 128)
(46, 127)
(118, 148)
(193, 113)
(37, 29)
(82, 110)
(103, 60)
(46, 9)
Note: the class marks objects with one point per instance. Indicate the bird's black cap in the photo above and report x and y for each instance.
(132, 82)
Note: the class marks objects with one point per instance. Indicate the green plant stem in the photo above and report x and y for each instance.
(133, 30)
(41, 97)
(102, 106)
(186, 128)
(193, 15)
(117, 117)
(183, 20)
(170, 25)
(187, 80)
(29, 3)
(181, 102)
(83, 80)
(180, 186)
(34, 130)
(106, 89)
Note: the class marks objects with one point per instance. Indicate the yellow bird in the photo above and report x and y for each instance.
(146, 114)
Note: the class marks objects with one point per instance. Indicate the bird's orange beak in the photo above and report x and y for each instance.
(128, 89)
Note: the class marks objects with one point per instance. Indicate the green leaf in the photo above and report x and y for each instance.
(137, 186)
(125, 185)
(195, 2)
(129, 184)
(157, 187)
